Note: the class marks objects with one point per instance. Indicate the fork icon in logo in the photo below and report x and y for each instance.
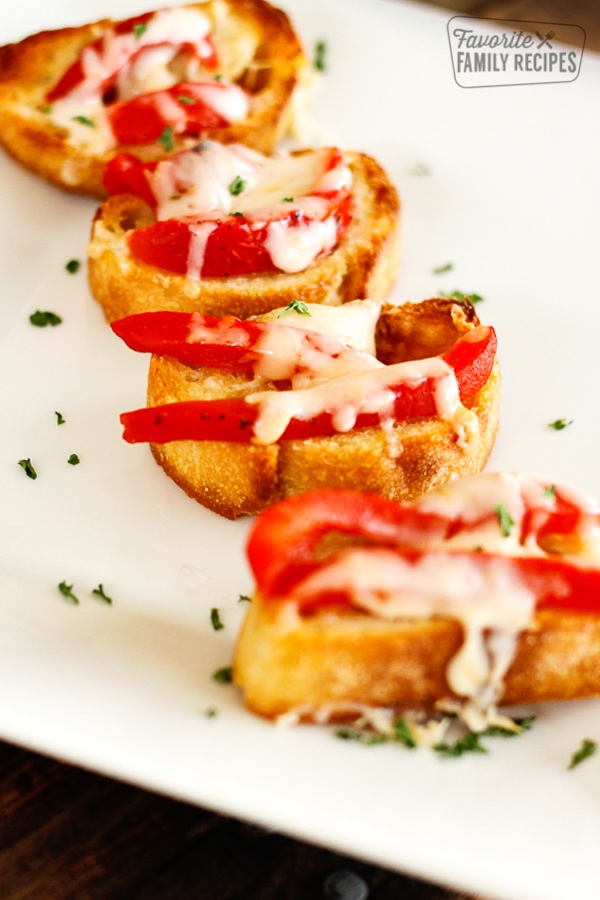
(545, 40)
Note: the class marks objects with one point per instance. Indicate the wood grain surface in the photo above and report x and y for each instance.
(68, 834)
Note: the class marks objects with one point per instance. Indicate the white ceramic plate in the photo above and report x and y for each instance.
(511, 199)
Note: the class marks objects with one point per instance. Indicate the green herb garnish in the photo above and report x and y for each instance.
(46, 109)
(100, 593)
(470, 743)
(187, 100)
(244, 598)
(369, 738)
(42, 318)
(224, 675)
(73, 460)
(287, 200)
(166, 138)
(319, 60)
(27, 467)
(60, 419)
(84, 120)
(587, 749)
(439, 270)
(504, 519)
(298, 306)
(237, 186)
(67, 591)
(421, 170)
(523, 724)
(215, 619)
(73, 266)
(402, 733)
(559, 424)
(139, 29)
(462, 297)
(211, 712)
(550, 492)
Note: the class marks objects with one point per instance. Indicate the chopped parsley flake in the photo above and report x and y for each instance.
(139, 29)
(211, 712)
(60, 419)
(462, 297)
(46, 109)
(99, 592)
(504, 519)
(73, 266)
(320, 57)
(84, 120)
(67, 591)
(223, 675)
(470, 743)
(41, 318)
(244, 598)
(27, 467)
(237, 186)
(73, 460)
(421, 170)
(187, 100)
(559, 424)
(403, 733)
(298, 306)
(215, 619)
(166, 139)
(439, 270)
(550, 492)
(287, 200)
(587, 749)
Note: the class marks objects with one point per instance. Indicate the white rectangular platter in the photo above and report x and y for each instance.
(503, 183)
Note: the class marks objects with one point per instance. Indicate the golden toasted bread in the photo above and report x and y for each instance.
(344, 661)
(256, 47)
(364, 264)
(401, 463)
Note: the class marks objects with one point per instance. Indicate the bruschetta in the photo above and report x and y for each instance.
(483, 594)
(71, 98)
(391, 399)
(222, 229)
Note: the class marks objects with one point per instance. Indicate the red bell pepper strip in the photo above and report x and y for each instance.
(283, 547)
(232, 419)
(234, 345)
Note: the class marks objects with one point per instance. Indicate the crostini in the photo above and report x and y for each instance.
(482, 594)
(391, 399)
(222, 229)
(70, 99)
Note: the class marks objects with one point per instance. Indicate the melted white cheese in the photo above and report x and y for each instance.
(490, 601)
(350, 395)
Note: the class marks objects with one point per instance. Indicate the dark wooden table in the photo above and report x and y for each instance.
(68, 834)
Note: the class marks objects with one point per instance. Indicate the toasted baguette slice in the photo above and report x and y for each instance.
(342, 662)
(256, 46)
(364, 264)
(483, 594)
(414, 457)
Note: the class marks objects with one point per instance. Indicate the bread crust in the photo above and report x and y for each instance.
(416, 457)
(364, 264)
(31, 67)
(285, 662)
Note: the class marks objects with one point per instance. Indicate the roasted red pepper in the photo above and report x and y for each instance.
(285, 544)
(472, 358)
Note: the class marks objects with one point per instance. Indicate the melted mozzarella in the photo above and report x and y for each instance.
(201, 181)
(491, 602)
(350, 395)
(353, 323)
